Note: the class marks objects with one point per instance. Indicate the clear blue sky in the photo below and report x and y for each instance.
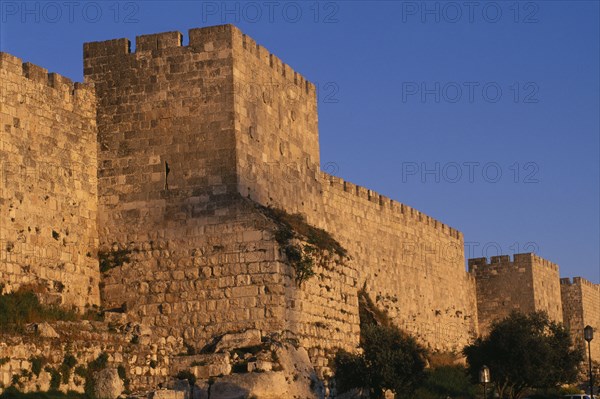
(499, 101)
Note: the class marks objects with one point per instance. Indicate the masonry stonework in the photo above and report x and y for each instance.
(198, 259)
(48, 190)
(146, 190)
(526, 284)
(235, 122)
(581, 307)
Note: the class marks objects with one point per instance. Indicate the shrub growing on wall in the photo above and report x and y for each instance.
(390, 358)
(23, 307)
(303, 245)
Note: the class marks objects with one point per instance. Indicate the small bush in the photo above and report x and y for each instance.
(301, 257)
(122, 372)
(65, 368)
(391, 359)
(296, 223)
(350, 369)
(37, 364)
(81, 371)
(100, 363)
(70, 361)
(123, 375)
(23, 307)
(111, 259)
(55, 378)
(4, 360)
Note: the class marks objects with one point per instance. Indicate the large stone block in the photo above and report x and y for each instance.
(243, 339)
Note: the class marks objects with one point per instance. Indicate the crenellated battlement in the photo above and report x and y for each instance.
(158, 41)
(221, 37)
(275, 62)
(525, 283)
(579, 281)
(35, 73)
(199, 39)
(154, 167)
(505, 260)
(388, 204)
(583, 281)
(48, 151)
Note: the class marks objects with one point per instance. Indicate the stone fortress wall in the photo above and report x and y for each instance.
(48, 186)
(191, 141)
(528, 283)
(198, 260)
(232, 120)
(581, 307)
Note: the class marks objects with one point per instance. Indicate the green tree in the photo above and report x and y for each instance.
(390, 358)
(525, 351)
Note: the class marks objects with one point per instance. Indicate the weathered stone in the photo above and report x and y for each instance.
(228, 390)
(242, 339)
(107, 384)
(45, 330)
(212, 365)
(260, 365)
(297, 379)
(168, 394)
(48, 189)
(155, 171)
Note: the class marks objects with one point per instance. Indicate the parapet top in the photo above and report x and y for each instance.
(579, 281)
(38, 74)
(207, 39)
(528, 258)
(387, 203)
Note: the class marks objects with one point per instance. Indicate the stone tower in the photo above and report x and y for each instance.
(191, 139)
(526, 284)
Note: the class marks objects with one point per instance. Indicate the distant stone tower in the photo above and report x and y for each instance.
(581, 307)
(526, 284)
